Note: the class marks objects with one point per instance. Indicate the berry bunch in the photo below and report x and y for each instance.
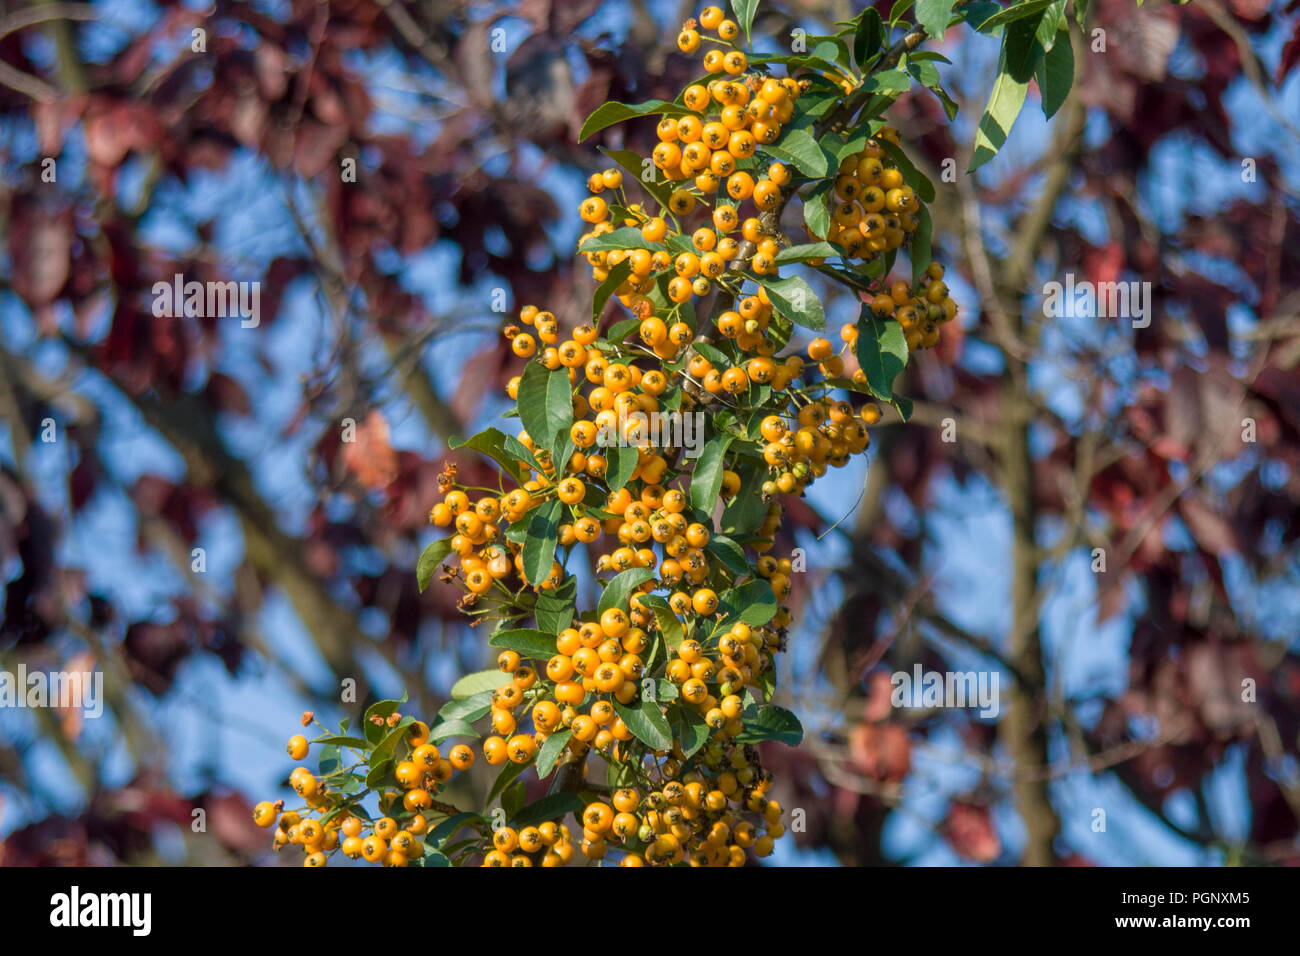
(667, 680)
(873, 210)
(332, 819)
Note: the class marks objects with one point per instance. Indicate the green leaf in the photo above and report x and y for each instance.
(452, 728)
(679, 243)
(1011, 14)
(771, 723)
(593, 503)
(529, 643)
(935, 87)
(554, 609)
(869, 36)
(447, 828)
(795, 299)
(754, 603)
(669, 624)
(899, 8)
(919, 246)
(545, 404)
(728, 552)
(843, 148)
(975, 12)
(620, 586)
(617, 774)
(999, 116)
(431, 857)
(706, 479)
(1055, 73)
(744, 10)
(712, 353)
(620, 462)
(506, 450)
(431, 557)
(934, 15)
(694, 732)
(917, 56)
(513, 798)
(477, 683)
(383, 708)
(1020, 48)
(550, 751)
(337, 741)
(504, 779)
(607, 114)
(647, 723)
(887, 82)
(882, 352)
(800, 150)
(617, 276)
(469, 708)
(745, 512)
(833, 49)
(808, 250)
(816, 213)
(1053, 18)
(395, 735)
(924, 71)
(330, 760)
(539, 545)
(805, 60)
(624, 237)
(380, 773)
(348, 783)
(919, 182)
(551, 807)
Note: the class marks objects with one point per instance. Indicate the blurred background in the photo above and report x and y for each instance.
(1104, 516)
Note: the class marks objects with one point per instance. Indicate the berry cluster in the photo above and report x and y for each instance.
(873, 210)
(667, 681)
(333, 820)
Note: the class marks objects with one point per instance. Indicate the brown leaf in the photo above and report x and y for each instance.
(1212, 531)
(371, 457)
(970, 832)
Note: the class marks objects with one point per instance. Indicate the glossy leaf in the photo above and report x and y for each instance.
(771, 723)
(551, 807)
(530, 643)
(607, 114)
(539, 544)
(545, 404)
(706, 479)
(430, 558)
(620, 586)
(794, 298)
(550, 751)
(477, 683)
(647, 723)
(882, 352)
